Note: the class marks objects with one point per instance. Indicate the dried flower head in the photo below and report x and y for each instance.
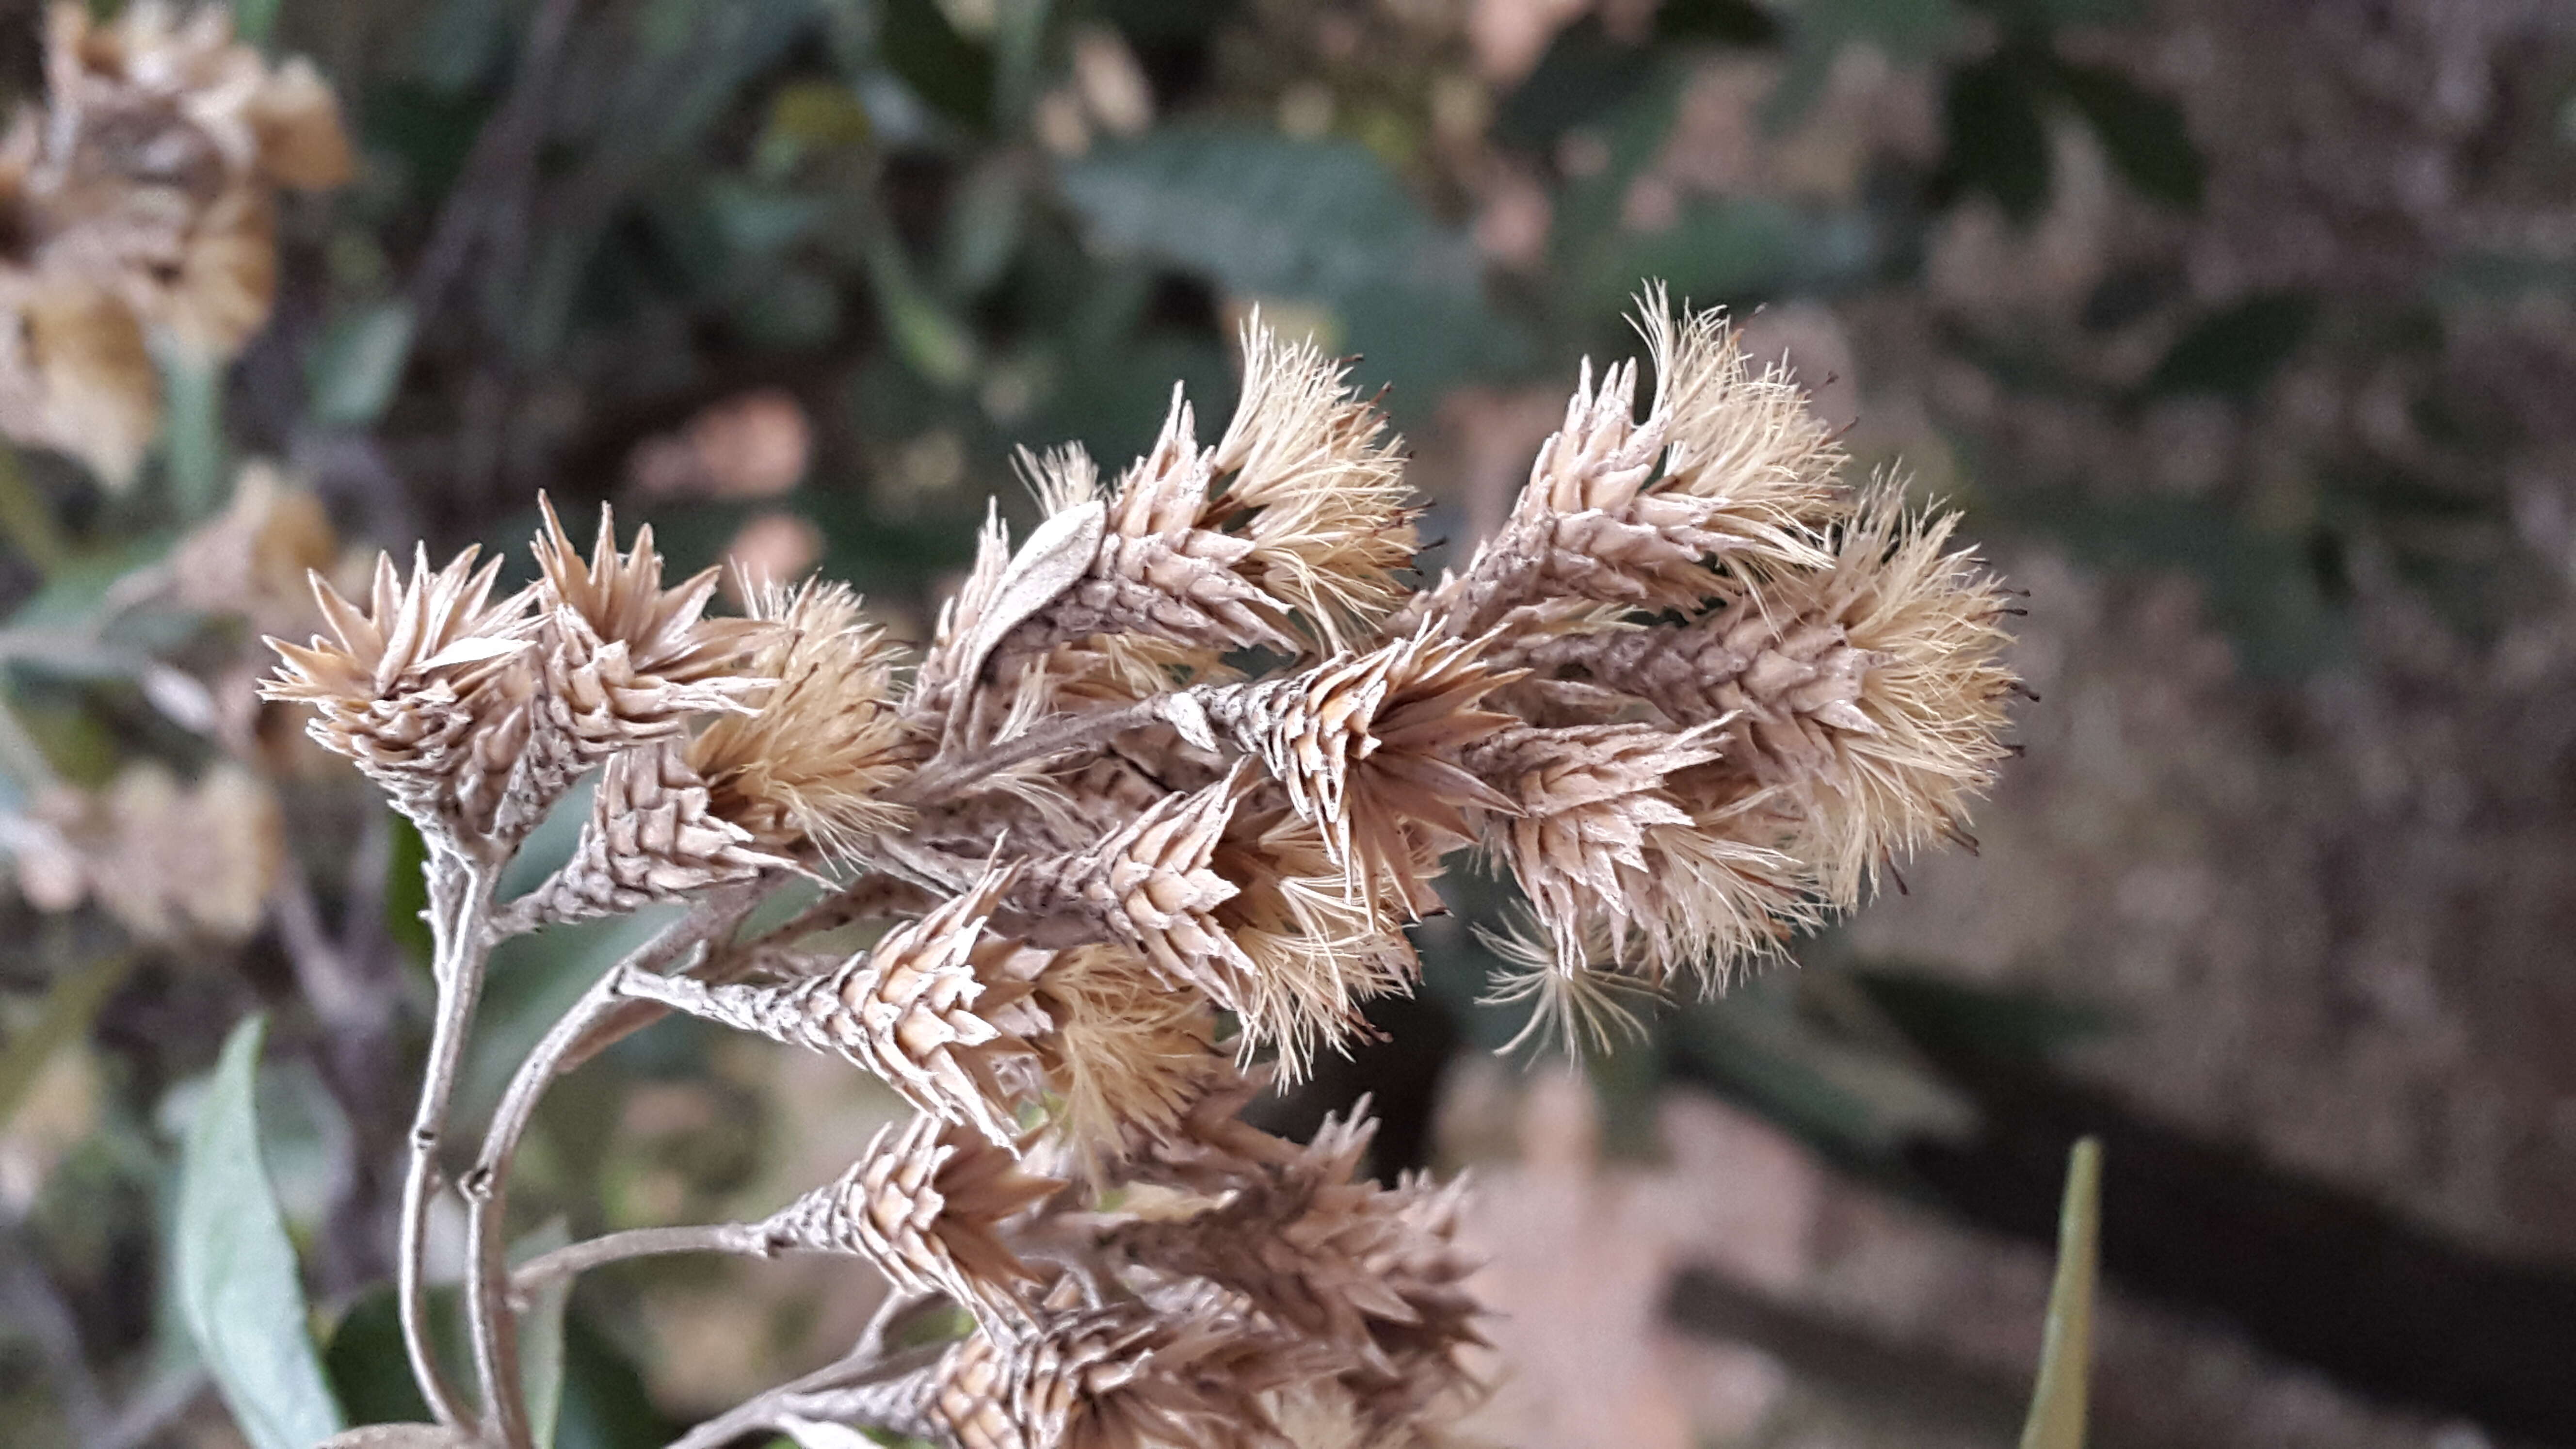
(812, 764)
(1368, 748)
(939, 1010)
(404, 686)
(1138, 871)
(926, 1202)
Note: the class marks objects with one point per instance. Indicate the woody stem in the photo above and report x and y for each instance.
(487, 1274)
(460, 894)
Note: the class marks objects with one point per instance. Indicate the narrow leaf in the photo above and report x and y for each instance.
(1057, 553)
(358, 367)
(541, 1337)
(237, 1282)
(2065, 1357)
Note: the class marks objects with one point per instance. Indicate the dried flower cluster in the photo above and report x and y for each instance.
(1688, 698)
(141, 204)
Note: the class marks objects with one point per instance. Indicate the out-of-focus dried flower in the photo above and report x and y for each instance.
(755, 445)
(254, 558)
(168, 859)
(143, 200)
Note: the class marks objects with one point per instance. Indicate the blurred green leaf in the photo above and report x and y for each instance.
(2143, 133)
(951, 73)
(984, 226)
(2065, 1360)
(1997, 142)
(1266, 215)
(541, 1336)
(236, 1271)
(1946, 1016)
(27, 517)
(806, 117)
(359, 364)
(2262, 588)
(1583, 75)
(369, 1369)
(605, 1404)
(2233, 353)
(192, 430)
(1728, 22)
(255, 20)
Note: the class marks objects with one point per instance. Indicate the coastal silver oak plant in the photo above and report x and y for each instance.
(1140, 831)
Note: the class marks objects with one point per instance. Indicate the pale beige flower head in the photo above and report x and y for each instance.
(810, 765)
(403, 686)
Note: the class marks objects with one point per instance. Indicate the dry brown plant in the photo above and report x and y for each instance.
(1690, 698)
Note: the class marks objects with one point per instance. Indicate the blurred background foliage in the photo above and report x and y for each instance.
(792, 280)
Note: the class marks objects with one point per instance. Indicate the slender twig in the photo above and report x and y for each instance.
(761, 1411)
(487, 1278)
(746, 1240)
(460, 894)
(944, 775)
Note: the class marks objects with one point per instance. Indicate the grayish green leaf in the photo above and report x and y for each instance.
(235, 1270)
(360, 362)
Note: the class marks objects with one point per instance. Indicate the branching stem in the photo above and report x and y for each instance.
(943, 776)
(487, 1275)
(460, 894)
(741, 1239)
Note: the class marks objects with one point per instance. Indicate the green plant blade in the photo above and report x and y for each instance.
(237, 1282)
(541, 1337)
(2066, 1355)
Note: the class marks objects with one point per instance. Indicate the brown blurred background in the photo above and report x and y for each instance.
(2245, 332)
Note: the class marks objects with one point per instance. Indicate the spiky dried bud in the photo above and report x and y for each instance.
(1367, 747)
(1127, 1056)
(1746, 474)
(1317, 486)
(652, 836)
(926, 1202)
(939, 1010)
(1159, 570)
(405, 687)
(810, 767)
(1374, 1271)
(1147, 884)
(1193, 1368)
(1869, 694)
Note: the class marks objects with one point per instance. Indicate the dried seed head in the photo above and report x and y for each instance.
(1128, 1056)
(926, 1203)
(1367, 746)
(1374, 1272)
(939, 1010)
(812, 764)
(1869, 693)
(627, 660)
(1727, 478)
(652, 836)
(404, 687)
(1316, 486)
(1193, 1369)
(1617, 869)
(1317, 947)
